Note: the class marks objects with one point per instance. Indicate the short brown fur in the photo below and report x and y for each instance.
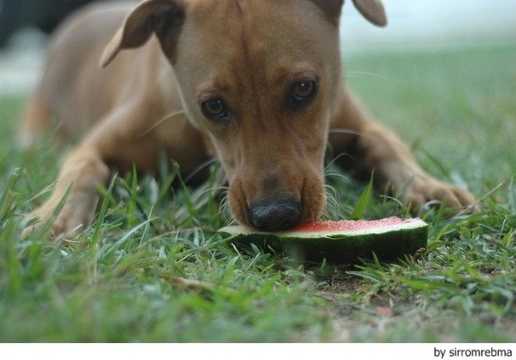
(250, 54)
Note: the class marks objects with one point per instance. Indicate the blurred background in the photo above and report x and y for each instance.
(432, 25)
(413, 25)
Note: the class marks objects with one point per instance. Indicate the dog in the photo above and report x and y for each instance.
(256, 84)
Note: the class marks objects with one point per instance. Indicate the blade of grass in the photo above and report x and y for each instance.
(7, 200)
(100, 218)
(132, 206)
(363, 201)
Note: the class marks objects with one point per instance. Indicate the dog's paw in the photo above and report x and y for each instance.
(436, 193)
(77, 213)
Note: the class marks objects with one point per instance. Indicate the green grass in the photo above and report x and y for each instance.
(152, 268)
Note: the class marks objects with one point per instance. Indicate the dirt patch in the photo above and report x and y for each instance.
(360, 313)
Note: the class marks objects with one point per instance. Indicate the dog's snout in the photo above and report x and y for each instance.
(275, 214)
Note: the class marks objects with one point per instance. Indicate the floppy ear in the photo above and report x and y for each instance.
(163, 17)
(372, 10)
(332, 8)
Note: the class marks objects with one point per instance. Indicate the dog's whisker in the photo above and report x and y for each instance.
(346, 131)
(342, 177)
(331, 196)
(365, 73)
(200, 168)
(213, 189)
(335, 159)
(224, 205)
(161, 121)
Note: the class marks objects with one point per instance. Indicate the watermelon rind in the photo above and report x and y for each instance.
(387, 243)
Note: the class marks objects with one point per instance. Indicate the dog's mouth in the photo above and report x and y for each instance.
(275, 214)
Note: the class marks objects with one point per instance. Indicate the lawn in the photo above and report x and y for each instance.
(153, 269)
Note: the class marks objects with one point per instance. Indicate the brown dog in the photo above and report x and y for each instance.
(253, 83)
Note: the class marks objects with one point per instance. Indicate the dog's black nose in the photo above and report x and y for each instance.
(275, 214)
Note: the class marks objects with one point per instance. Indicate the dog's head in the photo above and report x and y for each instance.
(260, 79)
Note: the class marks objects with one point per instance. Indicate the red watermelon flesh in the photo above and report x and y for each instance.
(355, 226)
(340, 241)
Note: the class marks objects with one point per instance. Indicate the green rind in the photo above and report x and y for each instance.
(338, 248)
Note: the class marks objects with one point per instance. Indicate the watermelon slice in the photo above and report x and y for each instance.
(344, 241)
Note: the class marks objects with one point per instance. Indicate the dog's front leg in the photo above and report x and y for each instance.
(76, 190)
(364, 145)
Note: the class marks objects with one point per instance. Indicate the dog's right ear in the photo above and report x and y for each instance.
(372, 10)
(163, 17)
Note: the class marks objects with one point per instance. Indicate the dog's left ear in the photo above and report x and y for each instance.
(163, 17)
(372, 10)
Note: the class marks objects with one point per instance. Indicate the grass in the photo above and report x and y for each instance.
(152, 268)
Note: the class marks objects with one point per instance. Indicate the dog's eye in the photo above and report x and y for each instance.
(302, 92)
(215, 110)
